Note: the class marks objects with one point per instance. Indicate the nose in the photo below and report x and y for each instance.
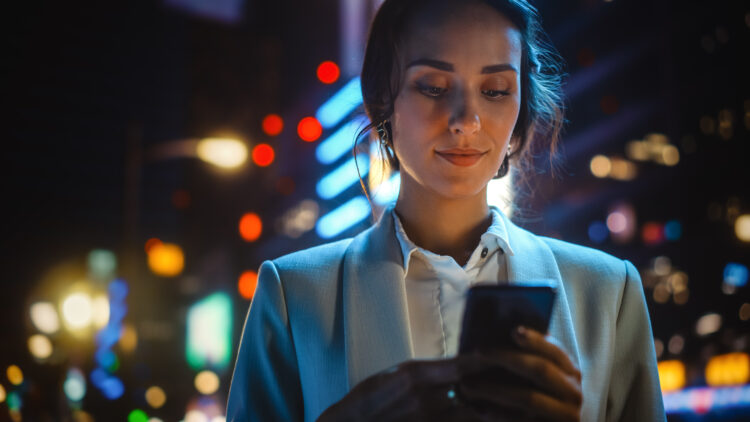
(464, 119)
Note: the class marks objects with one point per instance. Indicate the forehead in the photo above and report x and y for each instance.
(470, 36)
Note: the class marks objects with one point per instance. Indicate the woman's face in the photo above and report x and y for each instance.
(458, 102)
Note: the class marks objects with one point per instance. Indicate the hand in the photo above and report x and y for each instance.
(412, 391)
(550, 387)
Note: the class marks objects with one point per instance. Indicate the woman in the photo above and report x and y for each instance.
(366, 328)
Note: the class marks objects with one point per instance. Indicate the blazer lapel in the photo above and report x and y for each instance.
(532, 260)
(376, 319)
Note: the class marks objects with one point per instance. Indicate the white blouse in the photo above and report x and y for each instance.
(436, 287)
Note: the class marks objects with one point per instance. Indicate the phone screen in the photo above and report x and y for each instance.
(493, 311)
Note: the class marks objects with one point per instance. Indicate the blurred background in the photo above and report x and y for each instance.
(156, 152)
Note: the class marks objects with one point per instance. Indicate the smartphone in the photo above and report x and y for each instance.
(493, 311)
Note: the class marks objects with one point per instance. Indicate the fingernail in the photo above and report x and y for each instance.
(520, 333)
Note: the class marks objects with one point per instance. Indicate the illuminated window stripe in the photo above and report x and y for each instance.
(341, 142)
(343, 177)
(343, 217)
(705, 399)
(388, 191)
(340, 104)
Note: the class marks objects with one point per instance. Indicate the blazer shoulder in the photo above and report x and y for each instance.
(592, 262)
(314, 259)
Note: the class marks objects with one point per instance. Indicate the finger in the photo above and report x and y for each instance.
(537, 369)
(524, 402)
(534, 341)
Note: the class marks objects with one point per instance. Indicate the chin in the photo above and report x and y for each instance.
(460, 190)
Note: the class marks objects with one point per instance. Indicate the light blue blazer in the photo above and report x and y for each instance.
(325, 318)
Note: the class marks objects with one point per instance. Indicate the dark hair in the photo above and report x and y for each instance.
(540, 118)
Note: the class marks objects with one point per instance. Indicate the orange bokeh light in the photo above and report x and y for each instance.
(247, 283)
(309, 129)
(151, 243)
(251, 227)
(272, 124)
(652, 233)
(263, 155)
(328, 72)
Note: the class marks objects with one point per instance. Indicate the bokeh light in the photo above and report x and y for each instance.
(676, 344)
(137, 415)
(600, 166)
(102, 264)
(166, 259)
(735, 274)
(251, 227)
(598, 232)
(2, 393)
(128, 338)
(40, 346)
(309, 129)
(195, 416)
(652, 233)
(247, 284)
(708, 324)
(670, 155)
(151, 243)
(44, 317)
(263, 155)
(14, 401)
(742, 227)
(223, 152)
(155, 397)
(617, 222)
(76, 310)
(744, 313)
(622, 169)
(673, 230)
(206, 382)
(100, 311)
(75, 385)
(272, 124)
(728, 369)
(15, 375)
(671, 375)
(328, 72)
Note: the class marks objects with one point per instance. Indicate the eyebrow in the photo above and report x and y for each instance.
(448, 67)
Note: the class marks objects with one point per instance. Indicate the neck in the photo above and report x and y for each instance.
(444, 226)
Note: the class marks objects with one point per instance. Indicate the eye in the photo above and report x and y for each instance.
(495, 93)
(431, 91)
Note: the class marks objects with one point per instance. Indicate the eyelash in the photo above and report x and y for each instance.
(435, 92)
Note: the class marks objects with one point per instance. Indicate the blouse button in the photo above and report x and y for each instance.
(484, 252)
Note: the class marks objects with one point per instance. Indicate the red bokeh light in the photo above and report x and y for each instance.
(247, 283)
(273, 124)
(151, 243)
(652, 233)
(251, 227)
(328, 72)
(309, 129)
(263, 155)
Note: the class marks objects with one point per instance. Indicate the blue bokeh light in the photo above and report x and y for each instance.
(735, 274)
(341, 104)
(342, 177)
(598, 232)
(343, 217)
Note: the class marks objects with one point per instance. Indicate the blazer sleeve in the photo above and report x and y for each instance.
(265, 383)
(634, 393)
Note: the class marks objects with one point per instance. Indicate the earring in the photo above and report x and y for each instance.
(382, 132)
(505, 166)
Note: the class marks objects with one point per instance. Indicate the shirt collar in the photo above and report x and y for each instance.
(495, 237)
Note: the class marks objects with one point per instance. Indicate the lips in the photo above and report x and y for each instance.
(461, 157)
